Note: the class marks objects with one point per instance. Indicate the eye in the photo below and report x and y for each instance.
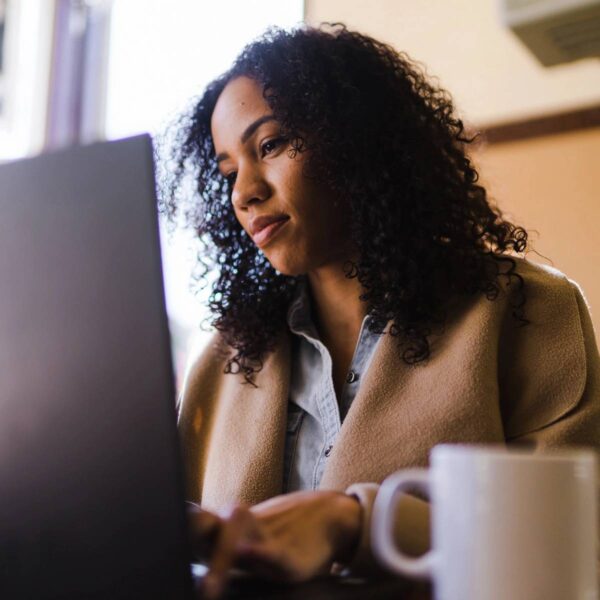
(231, 177)
(269, 146)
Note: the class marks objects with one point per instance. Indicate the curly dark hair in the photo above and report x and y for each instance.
(386, 141)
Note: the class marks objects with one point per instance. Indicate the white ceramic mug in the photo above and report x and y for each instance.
(506, 524)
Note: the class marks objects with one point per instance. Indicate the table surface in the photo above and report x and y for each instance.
(383, 588)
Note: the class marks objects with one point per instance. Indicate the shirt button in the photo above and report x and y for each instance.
(351, 377)
(328, 450)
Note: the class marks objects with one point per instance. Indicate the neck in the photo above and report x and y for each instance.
(338, 311)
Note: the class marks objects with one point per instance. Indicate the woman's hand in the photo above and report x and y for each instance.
(293, 537)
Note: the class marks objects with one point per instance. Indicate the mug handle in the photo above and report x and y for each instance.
(382, 524)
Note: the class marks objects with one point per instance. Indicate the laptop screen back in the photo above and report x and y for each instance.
(90, 502)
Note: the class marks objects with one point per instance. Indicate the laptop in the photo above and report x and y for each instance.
(91, 497)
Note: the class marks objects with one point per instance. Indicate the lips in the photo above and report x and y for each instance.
(263, 229)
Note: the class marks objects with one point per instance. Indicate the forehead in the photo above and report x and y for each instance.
(241, 102)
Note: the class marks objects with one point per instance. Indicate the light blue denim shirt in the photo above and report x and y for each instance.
(315, 414)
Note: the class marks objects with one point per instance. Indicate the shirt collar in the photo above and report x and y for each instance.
(299, 312)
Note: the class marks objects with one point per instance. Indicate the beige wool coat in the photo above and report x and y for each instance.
(488, 381)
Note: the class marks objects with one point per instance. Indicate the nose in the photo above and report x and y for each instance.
(249, 188)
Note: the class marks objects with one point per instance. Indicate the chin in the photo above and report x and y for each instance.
(292, 266)
(289, 270)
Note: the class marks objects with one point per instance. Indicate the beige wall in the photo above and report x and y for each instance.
(552, 185)
(491, 75)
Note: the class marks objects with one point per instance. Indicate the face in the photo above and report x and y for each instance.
(291, 218)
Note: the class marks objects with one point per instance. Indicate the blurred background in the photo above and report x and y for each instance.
(524, 73)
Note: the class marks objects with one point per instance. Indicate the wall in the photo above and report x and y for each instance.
(491, 75)
(551, 184)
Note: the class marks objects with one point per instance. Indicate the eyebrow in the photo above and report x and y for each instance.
(248, 132)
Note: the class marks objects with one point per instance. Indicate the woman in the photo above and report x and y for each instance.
(369, 305)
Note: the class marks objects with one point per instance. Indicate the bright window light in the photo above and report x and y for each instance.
(161, 55)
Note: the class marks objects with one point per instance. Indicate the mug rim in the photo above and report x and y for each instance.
(519, 453)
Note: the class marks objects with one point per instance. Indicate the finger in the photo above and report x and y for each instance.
(256, 559)
(204, 528)
(272, 561)
(203, 522)
(235, 528)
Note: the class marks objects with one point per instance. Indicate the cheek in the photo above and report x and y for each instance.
(323, 219)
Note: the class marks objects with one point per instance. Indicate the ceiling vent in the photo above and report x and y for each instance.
(556, 31)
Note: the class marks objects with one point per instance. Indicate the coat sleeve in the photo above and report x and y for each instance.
(579, 427)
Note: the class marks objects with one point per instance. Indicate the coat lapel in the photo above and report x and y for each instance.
(401, 411)
(245, 453)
